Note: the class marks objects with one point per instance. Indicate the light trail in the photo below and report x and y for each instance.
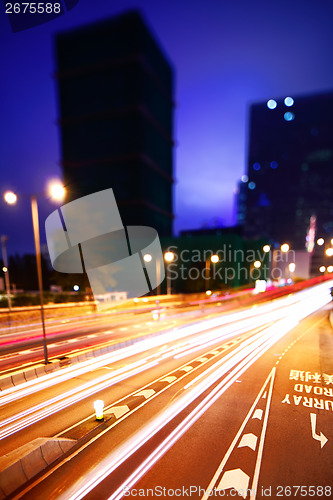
(154, 341)
(243, 360)
(46, 408)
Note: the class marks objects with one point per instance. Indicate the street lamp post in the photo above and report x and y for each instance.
(5, 270)
(168, 257)
(57, 192)
(214, 259)
(35, 224)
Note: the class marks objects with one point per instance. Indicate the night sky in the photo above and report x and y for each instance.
(225, 55)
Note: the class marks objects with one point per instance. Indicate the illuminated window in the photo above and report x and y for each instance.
(271, 104)
(288, 116)
(289, 101)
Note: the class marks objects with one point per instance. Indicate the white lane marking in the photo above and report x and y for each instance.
(202, 360)
(258, 414)
(169, 379)
(318, 437)
(118, 411)
(262, 438)
(146, 393)
(186, 369)
(236, 479)
(249, 440)
(236, 438)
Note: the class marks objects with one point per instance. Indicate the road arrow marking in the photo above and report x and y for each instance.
(249, 440)
(169, 379)
(118, 411)
(236, 479)
(146, 393)
(323, 439)
(258, 414)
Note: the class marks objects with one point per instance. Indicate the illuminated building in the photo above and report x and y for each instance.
(290, 169)
(116, 107)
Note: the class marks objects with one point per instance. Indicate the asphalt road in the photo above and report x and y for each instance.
(223, 410)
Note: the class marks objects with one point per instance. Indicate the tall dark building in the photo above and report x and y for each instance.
(290, 169)
(116, 109)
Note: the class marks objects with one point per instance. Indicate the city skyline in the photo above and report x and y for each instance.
(225, 57)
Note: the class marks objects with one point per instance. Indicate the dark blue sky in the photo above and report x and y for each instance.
(225, 55)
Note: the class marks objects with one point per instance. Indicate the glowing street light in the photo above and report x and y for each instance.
(57, 191)
(10, 198)
(320, 241)
(292, 267)
(168, 257)
(330, 269)
(214, 259)
(322, 269)
(266, 248)
(285, 247)
(257, 264)
(147, 257)
(329, 252)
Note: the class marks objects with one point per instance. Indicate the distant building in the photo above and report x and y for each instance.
(290, 169)
(116, 110)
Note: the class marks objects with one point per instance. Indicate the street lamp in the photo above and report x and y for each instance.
(266, 248)
(5, 269)
(214, 259)
(168, 257)
(148, 258)
(11, 199)
(285, 248)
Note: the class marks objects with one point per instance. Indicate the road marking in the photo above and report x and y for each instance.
(236, 479)
(202, 360)
(262, 437)
(118, 411)
(258, 414)
(186, 369)
(249, 440)
(146, 393)
(169, 379)
(318, 437)
(217, 474)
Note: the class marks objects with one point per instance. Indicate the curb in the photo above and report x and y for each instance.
(21, 465)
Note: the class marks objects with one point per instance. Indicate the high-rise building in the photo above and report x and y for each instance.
(116, 112)
(290, 169)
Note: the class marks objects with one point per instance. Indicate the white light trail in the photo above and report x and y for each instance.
(242, 360)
